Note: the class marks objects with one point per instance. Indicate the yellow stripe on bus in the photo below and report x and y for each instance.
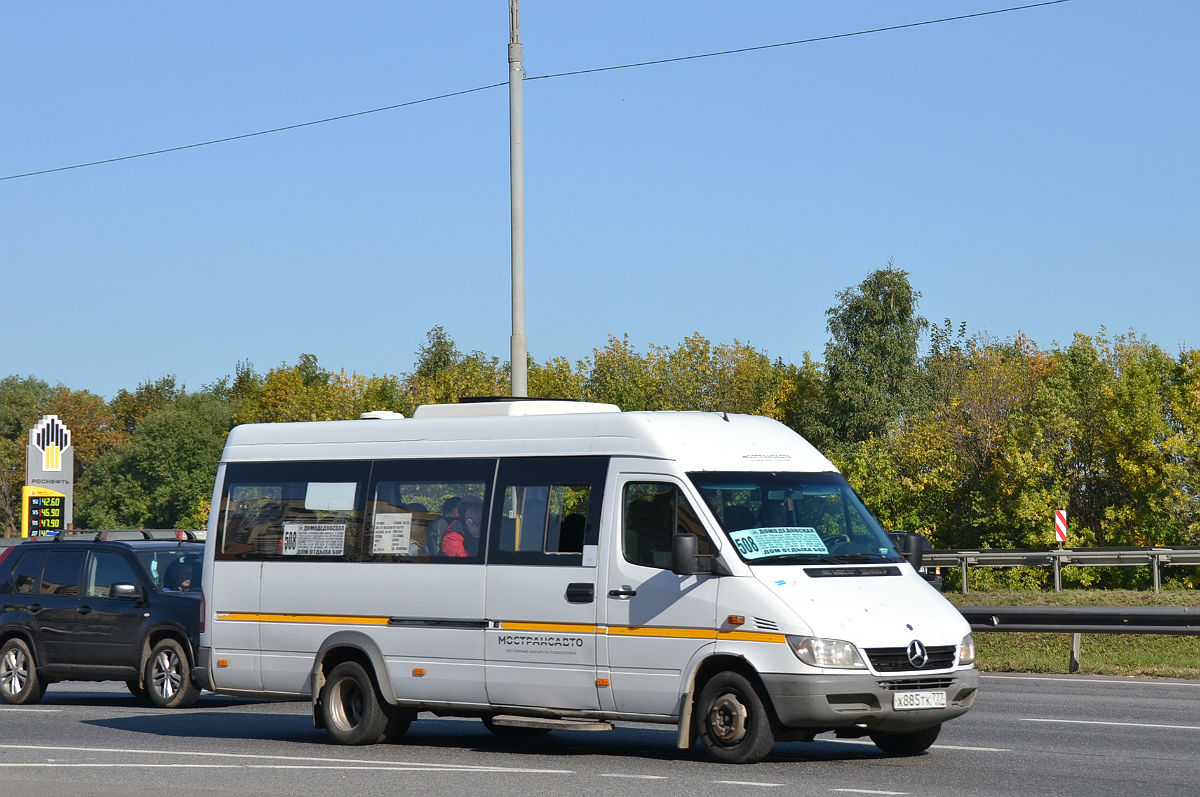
(562, 628)
(669, 633)
(511, 625)
(750, 636)
(339, 619)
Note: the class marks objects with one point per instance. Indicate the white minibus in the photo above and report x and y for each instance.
(546, 565)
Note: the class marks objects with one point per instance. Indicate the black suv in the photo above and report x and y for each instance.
(101, 608)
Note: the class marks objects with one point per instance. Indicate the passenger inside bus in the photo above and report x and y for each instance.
(461, 537)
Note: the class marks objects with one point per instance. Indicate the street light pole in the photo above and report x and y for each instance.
(516, 138)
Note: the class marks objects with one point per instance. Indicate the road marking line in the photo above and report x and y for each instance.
(328, 767)
(869, 791)
(1086, 680)
(1118, 724)
(33, 710)
(745, 783)
(253, 756)
(639, 777)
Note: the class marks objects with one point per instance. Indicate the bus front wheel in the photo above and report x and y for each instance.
(732, 721)
(350, 707)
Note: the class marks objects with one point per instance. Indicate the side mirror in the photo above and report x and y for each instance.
(125, 591)
(912, 548)
(684, 549)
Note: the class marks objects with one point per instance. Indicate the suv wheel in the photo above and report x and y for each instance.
(19, 682)
(168, 677)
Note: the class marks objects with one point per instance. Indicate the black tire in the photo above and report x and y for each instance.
(399, 719)
(911, 743)
(19, 682)
(732, 721)
(513, 731)
(136, 689)
(168, 677)
(351, 709)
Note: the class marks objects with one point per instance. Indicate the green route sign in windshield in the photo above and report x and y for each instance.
(778, 541)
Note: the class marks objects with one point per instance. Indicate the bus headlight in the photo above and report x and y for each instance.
(817, 652)
(966, 650)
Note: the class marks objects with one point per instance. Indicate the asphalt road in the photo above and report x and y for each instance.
(1027, 735)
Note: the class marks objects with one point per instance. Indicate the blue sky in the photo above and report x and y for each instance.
(1035, 171)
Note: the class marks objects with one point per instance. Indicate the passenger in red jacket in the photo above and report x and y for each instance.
(461, 538)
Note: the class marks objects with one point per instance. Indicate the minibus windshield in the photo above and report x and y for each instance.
(800, 518)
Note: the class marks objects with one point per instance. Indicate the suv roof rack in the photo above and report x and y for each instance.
(183, 535)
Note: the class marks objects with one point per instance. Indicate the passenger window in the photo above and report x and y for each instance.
(429, 510)
(548, 519)
(548, 509)
(294, 511)
(653, 513)
(420, 521)
(106, 569)
(61, 574)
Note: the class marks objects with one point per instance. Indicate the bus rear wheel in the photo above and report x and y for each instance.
(350, 707)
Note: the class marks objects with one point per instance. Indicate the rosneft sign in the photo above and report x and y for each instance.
(49, 479)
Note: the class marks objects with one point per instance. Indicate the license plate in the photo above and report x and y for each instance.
(905, 701)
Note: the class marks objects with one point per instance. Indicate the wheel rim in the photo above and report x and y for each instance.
(728, 719)
(166, 674)
(15, 674)
(347, 704)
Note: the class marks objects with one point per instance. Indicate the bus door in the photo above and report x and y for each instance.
(542, 591)
(656, 620)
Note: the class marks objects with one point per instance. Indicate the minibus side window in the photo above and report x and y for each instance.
(653, 513)
(428, 510)
(421, 521)
(547, 509)
(293, 511)
(549, 519)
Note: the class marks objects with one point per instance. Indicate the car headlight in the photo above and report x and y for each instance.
(966, 650)
(817, 652)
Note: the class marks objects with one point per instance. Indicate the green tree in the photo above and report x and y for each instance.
(130, 408)
(617, 374)
(94, 428)
(556, 378)
(163, 476)
(798, 401)
(871, 357)
(22, 400)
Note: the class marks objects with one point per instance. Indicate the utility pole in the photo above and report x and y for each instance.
(516, 139)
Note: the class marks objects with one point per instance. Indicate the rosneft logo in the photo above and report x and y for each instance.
(51, 438)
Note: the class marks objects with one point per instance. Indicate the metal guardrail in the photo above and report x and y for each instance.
(1155, 558)
(1085, 619)
(1078, 620)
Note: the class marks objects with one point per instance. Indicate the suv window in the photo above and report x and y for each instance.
(106, 569)
(61, 573)
(26, 571)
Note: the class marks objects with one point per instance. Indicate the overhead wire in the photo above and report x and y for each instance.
(571, 73)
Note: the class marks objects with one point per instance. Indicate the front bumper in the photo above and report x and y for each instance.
(829, 702)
